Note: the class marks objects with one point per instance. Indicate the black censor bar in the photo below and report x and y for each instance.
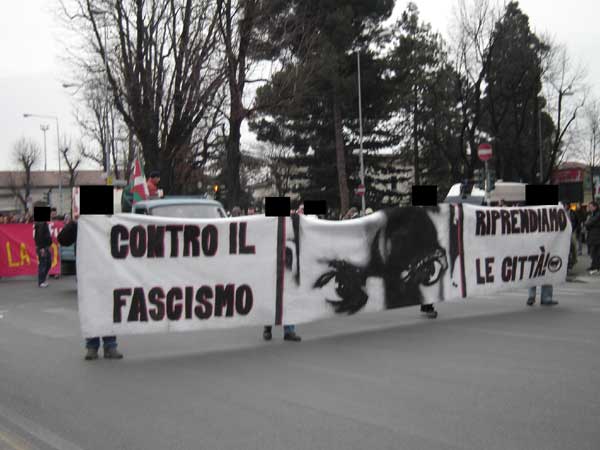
(424, 195)
(98, 199)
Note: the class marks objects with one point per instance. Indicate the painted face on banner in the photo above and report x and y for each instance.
(387, 260)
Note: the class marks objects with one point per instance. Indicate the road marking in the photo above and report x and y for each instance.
(13, 442)
(36, 430)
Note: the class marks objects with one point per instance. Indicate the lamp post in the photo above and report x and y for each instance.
(104, 14)
(43, 116)
(45, 128)
(360, 128)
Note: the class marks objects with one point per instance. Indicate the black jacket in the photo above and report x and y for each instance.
(68, 235)
(593, 226)
(42, 235)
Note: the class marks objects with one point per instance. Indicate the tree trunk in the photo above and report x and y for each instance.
(340, 156)
(234, 157)
(415, 144)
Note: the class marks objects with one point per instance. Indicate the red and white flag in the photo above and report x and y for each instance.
(139, 188)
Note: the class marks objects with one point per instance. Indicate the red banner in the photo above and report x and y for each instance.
(17, 249)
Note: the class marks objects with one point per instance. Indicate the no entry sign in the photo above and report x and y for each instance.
(484, 151)
(360, 190)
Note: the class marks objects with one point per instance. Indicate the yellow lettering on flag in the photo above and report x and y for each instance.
(24, 255)
(9, 256)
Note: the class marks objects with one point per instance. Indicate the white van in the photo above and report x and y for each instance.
(510, 192)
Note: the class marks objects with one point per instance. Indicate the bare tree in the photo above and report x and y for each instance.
(26, 154)
(473, 43)
(163, 67)
(73, 159)
(566, 93)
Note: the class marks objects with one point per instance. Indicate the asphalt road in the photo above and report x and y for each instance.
(489, 373)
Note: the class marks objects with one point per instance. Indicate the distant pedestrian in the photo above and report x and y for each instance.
(152, 183)
(592, 225)
(43, 242)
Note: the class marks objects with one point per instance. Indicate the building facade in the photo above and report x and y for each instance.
(44, 186)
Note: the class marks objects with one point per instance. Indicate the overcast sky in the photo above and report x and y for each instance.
(31, 72)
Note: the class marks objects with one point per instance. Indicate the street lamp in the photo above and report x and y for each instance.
(360, 154)
(104, 14)
(45, 128)
(43, 116)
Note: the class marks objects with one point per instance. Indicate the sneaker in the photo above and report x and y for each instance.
(43, 285)
(530, 301)
(292, 337)
(593, 272)
(112, 353)
(92, 353)
(267, 336)
(550, 303)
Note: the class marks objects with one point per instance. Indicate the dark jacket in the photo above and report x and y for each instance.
(574, 221)
(68, 235)
(593, 226)
(42, 235)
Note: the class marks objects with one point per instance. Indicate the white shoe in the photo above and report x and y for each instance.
(593, 272)
(44, 285)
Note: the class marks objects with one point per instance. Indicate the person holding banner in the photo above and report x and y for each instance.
(68, 236)
(43, 242)
(545, 296)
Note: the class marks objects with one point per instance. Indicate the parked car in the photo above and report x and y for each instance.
(67, 259)
(191, 208)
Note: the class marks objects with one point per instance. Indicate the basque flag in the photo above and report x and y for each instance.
(138, 186)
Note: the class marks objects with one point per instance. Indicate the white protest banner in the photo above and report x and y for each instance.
(410, 256)
(142, 274)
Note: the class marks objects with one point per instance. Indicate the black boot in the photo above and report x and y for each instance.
(291, 336)
(112, 353)
(91, 354)
(267, 334)
(429, 311)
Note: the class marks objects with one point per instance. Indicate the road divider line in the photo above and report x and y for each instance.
(38, 431)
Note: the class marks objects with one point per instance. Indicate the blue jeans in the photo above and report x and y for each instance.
(546, 293)
(286, 328)
(44, 264)
(109, 342)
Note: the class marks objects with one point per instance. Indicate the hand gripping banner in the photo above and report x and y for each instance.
(143, 274)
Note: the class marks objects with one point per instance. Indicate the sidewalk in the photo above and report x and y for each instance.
(580, 272)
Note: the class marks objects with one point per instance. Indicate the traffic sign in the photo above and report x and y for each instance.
(484, 151)
(360, 190)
